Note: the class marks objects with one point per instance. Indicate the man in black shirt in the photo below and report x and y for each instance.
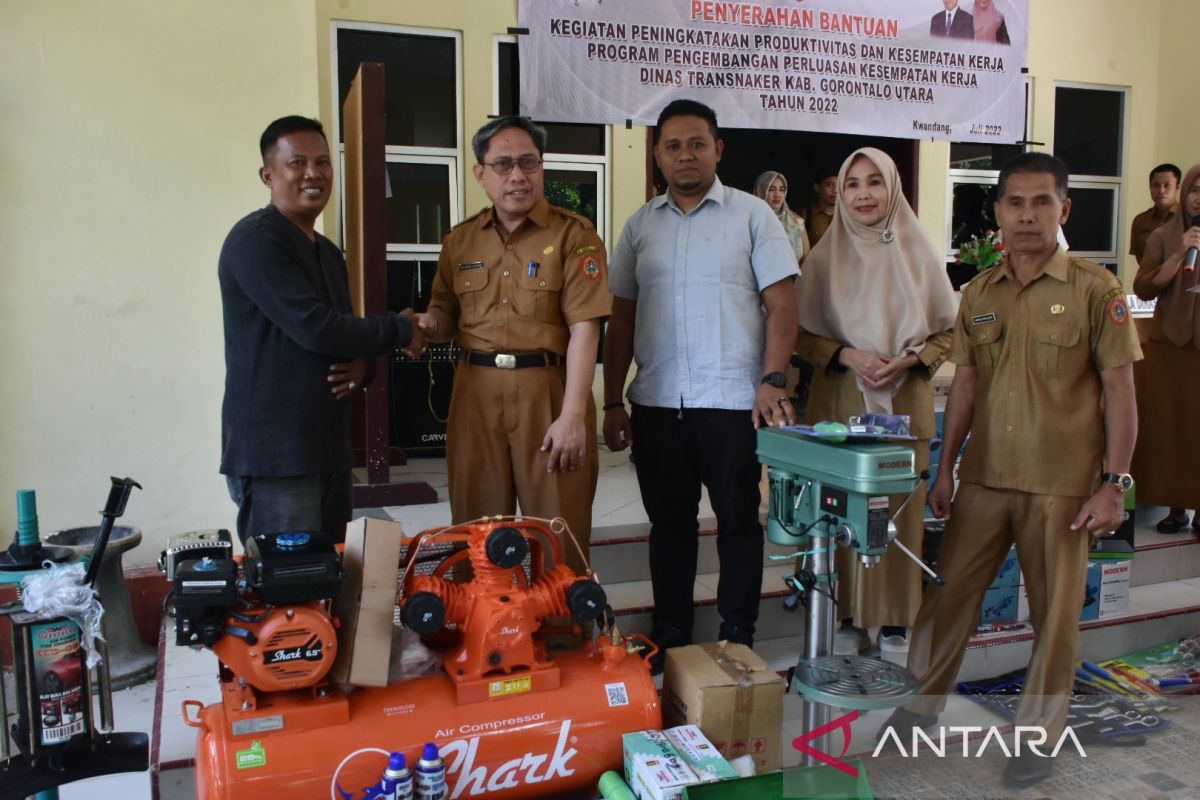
(289, 334)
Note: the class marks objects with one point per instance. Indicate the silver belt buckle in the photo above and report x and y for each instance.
(506, 361)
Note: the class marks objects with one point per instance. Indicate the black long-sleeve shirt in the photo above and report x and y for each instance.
(287, 314)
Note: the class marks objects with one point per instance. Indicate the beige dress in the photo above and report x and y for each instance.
(890, 592)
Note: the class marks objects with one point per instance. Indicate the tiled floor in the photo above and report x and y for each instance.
(1169, 767)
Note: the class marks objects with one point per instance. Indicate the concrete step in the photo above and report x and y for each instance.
(624, 558)
(1157, 613)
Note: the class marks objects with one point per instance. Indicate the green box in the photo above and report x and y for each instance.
(818, 783)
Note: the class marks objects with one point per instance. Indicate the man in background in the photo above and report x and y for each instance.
(1164, 191)
(819, 213)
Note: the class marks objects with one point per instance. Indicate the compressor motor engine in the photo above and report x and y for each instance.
(271, 626)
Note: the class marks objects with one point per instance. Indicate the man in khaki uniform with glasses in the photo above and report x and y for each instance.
(1044, 349)
(522, 286)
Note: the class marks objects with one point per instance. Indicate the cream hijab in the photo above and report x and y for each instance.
(881, 288)
(1176, 307)
(793, 225)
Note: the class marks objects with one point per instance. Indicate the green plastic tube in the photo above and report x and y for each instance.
(27, 520)
(613, 787)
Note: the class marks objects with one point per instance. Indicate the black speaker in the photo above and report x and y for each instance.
(420, 394)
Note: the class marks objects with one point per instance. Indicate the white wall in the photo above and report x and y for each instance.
(129, 148)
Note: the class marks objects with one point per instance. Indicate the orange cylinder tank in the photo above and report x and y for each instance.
(518, 743)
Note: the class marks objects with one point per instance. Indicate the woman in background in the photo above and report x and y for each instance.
(876, 309)
(1168, 389)
(772, 187)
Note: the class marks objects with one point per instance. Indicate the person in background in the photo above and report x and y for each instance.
(819, 213)
(289, 330)
(875, 309)
(1168, 389)
(773, 187)
(522, 286)
(703, 299)
(952, 22)
(1044, 384)
(989, 23)
(1164, 190)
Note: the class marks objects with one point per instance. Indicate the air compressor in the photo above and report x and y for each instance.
(512, 718)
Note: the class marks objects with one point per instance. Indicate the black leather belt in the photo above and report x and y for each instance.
(511, 361)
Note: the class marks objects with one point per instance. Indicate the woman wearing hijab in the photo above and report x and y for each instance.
(1168, 385)
(772, 187)
(875, 309)
(989, 23)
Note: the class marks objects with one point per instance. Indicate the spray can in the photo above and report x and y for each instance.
(397, 779)
(431, 774)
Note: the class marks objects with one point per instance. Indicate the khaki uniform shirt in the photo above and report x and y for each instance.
(1145, 224)
(1038, 423)
(521, 294)
(817, 222)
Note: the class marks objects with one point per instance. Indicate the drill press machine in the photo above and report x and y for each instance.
(826, 494)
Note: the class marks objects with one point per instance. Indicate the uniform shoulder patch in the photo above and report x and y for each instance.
(1116, 291)
(591, 267)
(1118, 310)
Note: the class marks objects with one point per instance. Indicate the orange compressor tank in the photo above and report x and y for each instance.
(517, 744)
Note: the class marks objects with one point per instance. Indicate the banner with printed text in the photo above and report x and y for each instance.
(911, 69)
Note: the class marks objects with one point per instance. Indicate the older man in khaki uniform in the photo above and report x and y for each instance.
(523, 287)
(1044, 347)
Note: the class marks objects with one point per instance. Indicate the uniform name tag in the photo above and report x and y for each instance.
(982, 318)
(470, 265)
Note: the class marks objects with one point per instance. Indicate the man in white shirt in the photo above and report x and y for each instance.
(702, 283)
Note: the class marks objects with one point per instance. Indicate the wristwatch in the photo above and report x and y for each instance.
(1122, 480)
(776, 379)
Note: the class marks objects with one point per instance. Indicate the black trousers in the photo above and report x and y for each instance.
(674, 453)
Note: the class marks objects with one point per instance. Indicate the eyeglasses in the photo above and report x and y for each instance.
(504, 165)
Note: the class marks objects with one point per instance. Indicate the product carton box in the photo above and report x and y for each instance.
(654, 769)
(367, 602)
(734, 697)
(999, 605)
(1107, 589)
(1009, 573)
(700, 754)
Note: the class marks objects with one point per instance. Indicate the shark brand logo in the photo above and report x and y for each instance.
(843, 722)
(310, 651)
(530, 768)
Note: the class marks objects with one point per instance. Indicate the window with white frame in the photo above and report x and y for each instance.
(576, 158)
(423, 100)
(974, 171)
(1089, 135)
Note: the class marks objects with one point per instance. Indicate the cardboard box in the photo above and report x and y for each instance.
(367, 602)
(654, 769)
(1107, 589)
(734, 697)
(700, 754)
(999, 605)
(1009, 573)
